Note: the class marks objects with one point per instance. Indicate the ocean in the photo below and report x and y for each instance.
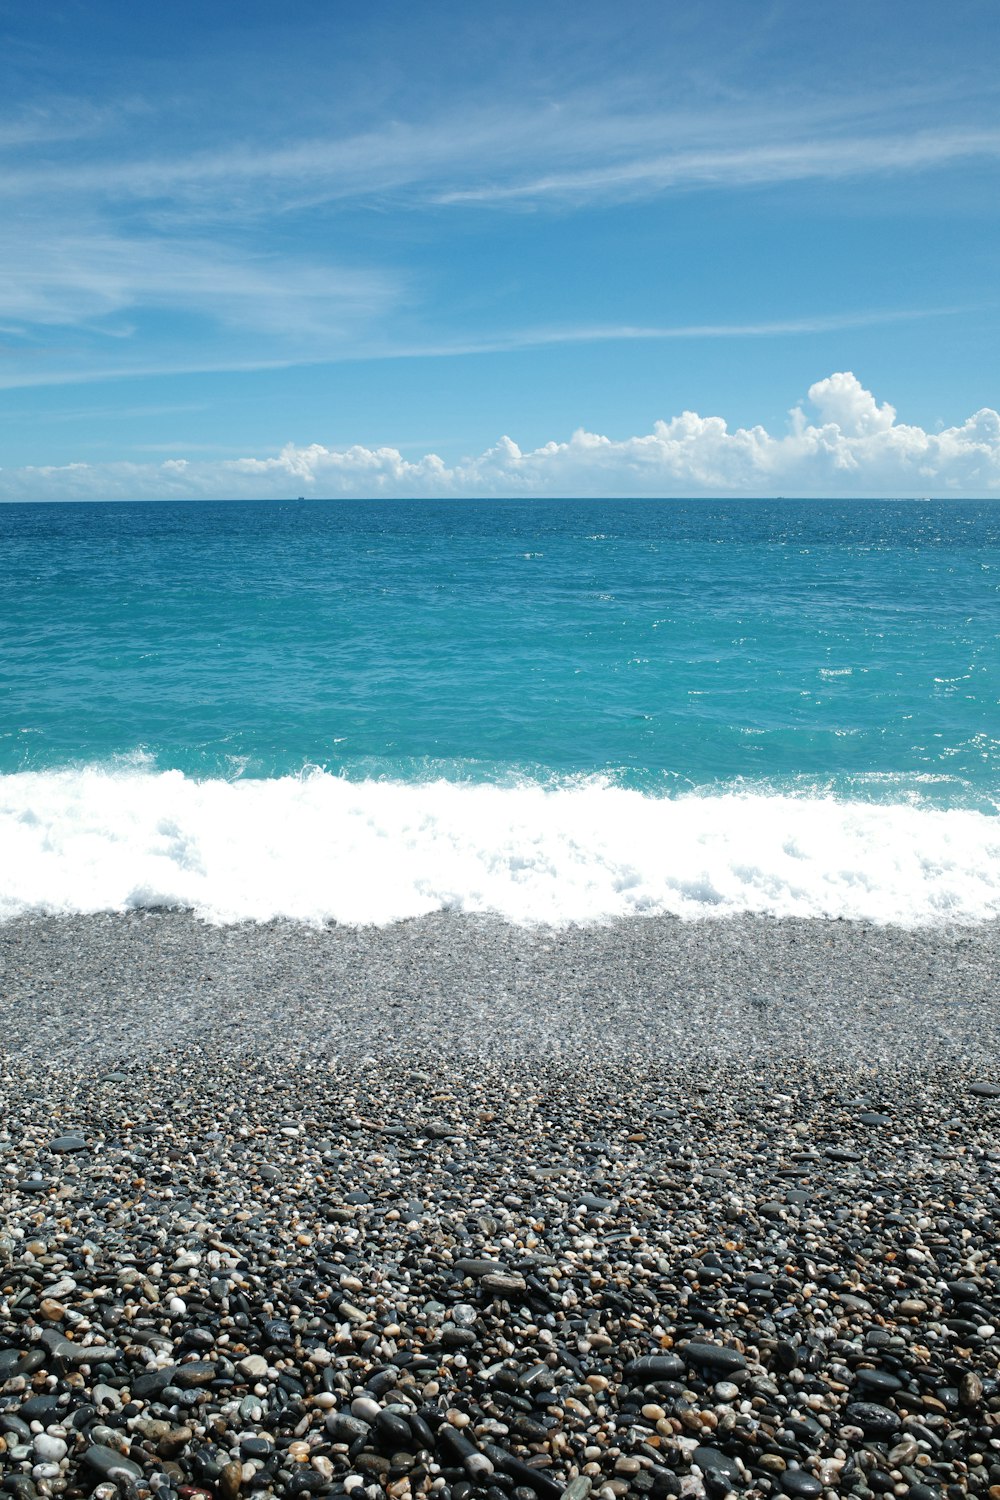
(555, 711)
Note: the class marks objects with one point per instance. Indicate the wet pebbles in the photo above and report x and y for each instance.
(371, 1260)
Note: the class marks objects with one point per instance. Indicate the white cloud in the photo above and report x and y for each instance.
(850, 446)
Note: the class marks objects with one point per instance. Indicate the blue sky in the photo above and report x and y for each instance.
(235, 232)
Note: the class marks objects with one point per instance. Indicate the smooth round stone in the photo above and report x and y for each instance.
(714, 1357)
(712, 1461)
(877, 1382)
(49, 1449)
(393, 1430)
(67, 1143)
(365, 1409)
(725, 1391)
(345, 1429)
(255, 1446)
(652, 1367)
(800, 1484)
(107, 1460)
(985, 1090)
(45, 1409)
(14, 1425)
(874, 1420)
(197, 1372)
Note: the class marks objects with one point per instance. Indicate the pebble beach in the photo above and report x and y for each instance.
(460, 1209)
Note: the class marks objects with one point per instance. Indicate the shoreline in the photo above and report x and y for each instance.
(472, 1212)
(840, 993)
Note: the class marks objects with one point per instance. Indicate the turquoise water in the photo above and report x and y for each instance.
(769, 650)
(661, 642)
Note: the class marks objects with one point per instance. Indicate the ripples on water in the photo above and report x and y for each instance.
(666, 644)
(754, 654)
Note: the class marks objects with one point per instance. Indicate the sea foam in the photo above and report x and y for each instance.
(318, 848)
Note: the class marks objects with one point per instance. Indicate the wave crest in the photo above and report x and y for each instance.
(318, 848)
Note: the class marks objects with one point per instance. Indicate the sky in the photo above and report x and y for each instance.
(643, 248)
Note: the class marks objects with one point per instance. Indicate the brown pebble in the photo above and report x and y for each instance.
(773, 1462)
(230, 1480)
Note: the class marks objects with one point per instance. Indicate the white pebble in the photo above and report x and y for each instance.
(49, 1449)
(364, 1408)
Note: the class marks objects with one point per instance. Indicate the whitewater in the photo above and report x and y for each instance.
(565, 712)
(319, 848)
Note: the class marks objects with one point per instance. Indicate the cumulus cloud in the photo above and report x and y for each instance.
(846, 444)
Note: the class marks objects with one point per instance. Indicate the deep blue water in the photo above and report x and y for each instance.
(671, 644)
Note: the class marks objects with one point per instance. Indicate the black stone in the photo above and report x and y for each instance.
(878, 1382)
(67, 1143)
(477, 1267)
(714, 1357)
(346, 1429)
(40, 1409)
(393, 1431)
(800, 1484)
(712, 1460)
(10, 1423)
(105, 1460)
(874, 1421)
(654, 1367)
(152, 1383)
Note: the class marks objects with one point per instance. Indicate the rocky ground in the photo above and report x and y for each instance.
(684, 1245)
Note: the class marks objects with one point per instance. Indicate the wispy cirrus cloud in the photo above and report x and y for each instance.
(256, 253)
(535, 338)
(851, 445)
(360, 349)
(583, 144)
(738, 166)
(97, 280)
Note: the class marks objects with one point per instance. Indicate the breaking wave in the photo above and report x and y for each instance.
(319, 848)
